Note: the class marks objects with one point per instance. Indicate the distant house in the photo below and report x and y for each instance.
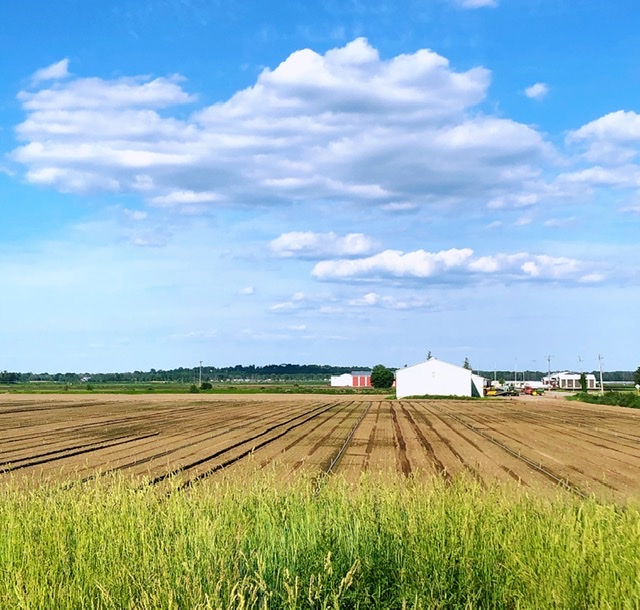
(437, 378)
(355, 379)
(564, 380)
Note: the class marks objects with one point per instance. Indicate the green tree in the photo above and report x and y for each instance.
(466, 364)
(382, 377)
(636, 376)
(583, 383)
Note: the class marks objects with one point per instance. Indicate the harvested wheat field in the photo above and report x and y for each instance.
(541, 443)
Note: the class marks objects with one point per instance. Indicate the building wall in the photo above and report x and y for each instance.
(570, 381)
(349, 380)
(478, 385)
(433, 377)
(341, 381)
(362, 381)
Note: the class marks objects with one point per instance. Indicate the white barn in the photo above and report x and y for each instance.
(437, 378)
(355, 379)
(341, 381)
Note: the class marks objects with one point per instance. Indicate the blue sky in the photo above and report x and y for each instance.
(338, 182)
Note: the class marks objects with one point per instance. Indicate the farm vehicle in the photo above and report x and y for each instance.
(529, 391)
(507, 390)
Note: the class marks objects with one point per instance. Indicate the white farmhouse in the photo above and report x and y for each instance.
(568, 381)
(437, 378)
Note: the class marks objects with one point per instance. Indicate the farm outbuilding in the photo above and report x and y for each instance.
(569, 381)
(355, 379)
(437, 378)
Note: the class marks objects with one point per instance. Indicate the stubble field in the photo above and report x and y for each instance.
(543, 443)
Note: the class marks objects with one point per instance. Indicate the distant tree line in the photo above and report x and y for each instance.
(274, 372)
(627, 376)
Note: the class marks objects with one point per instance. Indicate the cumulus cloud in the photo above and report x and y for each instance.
(183, 197)
(449, 264)
(394, 263)
(623, 176)
(523, 221)
(56, 71)
(537, 91)
(631, 208)
(610, 139)
(306, 244)
(560, 222)
(470, 4)
(298, 300)
(373, 299)
(346, 125)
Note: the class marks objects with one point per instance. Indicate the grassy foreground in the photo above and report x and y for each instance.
(255, 544)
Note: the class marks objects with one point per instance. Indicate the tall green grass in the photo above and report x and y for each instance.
(253, 543)
(621, 399)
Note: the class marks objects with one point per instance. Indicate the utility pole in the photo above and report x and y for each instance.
(601, 382)
(580, 361)
(549, 369)
(200, 376)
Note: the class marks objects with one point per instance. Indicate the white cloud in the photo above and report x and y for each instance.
(523, 221)
(136, 214)
(298, 327)
(306, 244)
(56, 71)
(610, 139)
(620, 127)
(373, 299)
(452, 265)
(477, 3)
(518, 200)
(347, 125)
(183, 197)
(394, 263)
(399, 206)
(624, 176)
(298, 300)
(537, 91)
(200, 335)
(283, 306)
(560, 222)
(248, 291)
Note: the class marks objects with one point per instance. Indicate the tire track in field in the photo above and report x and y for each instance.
(544, 470)
(336, 460)
(425, 420)
(61, 450)
(468, 440)
(194, 440)
(266, 439)
(371, 441)
(400, 445)
(322, 441)
(80, 450)
(579, 442)
(426, 445)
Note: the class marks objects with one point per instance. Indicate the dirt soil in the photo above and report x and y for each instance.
(541, 443)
